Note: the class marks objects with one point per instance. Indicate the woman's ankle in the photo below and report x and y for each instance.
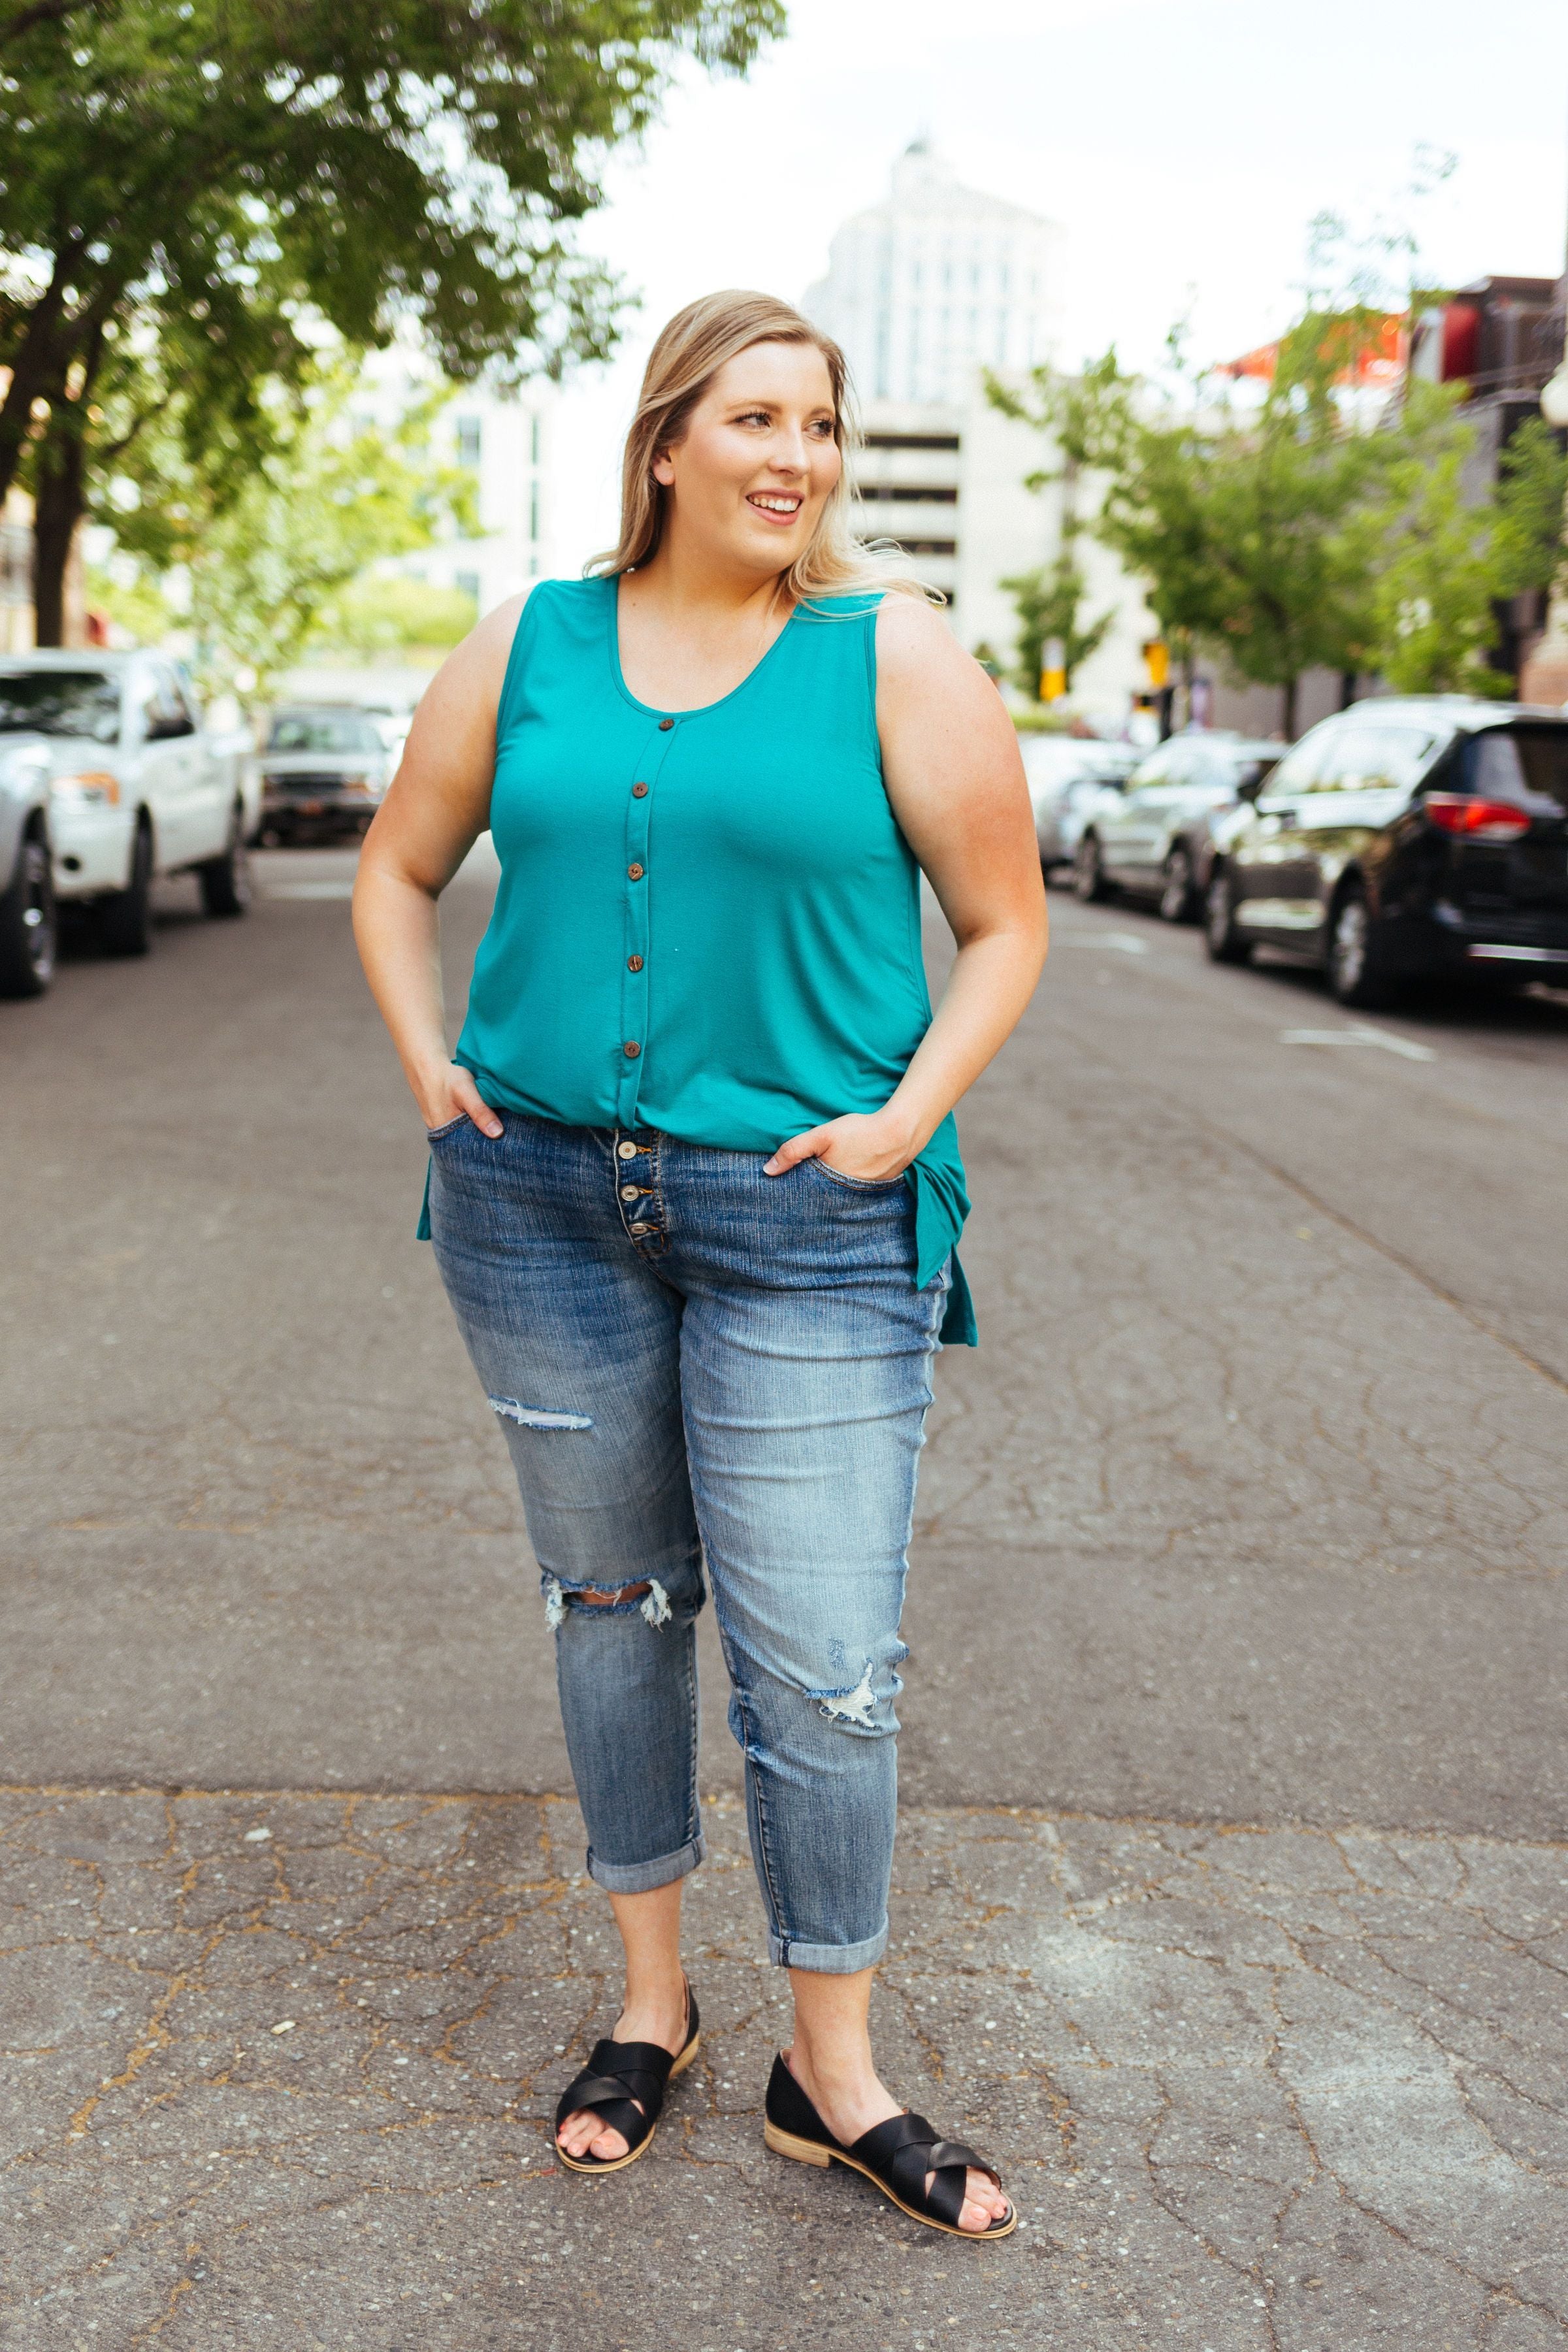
(835, 2075)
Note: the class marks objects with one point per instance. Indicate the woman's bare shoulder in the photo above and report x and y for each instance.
(475, 670)
(918, 656)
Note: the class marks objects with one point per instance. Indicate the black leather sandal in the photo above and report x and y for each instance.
(895, 2156)
(626, 2081)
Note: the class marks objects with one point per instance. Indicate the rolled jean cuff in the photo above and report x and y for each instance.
(642, 1877)
(828, 1959)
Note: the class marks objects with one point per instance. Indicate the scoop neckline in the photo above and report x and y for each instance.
(697, 709)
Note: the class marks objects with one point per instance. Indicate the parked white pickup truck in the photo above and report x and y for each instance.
(138, 784)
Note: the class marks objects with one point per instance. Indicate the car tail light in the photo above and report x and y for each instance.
(1476, 820)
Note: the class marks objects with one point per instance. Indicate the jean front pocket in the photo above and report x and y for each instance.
(453, 1126)
(855, 1183)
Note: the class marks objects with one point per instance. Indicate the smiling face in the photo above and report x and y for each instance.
(748, 479)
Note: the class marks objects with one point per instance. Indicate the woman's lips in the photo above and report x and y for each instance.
(783, 514)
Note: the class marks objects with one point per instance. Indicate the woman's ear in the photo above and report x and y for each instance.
(662, 470)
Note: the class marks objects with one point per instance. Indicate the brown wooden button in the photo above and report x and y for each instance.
(631, 1049)
(634, 963)
(665, 725)
(639, 791)
(635, 872)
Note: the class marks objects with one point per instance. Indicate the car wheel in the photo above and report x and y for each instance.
(27, 923)
(125, 916)
(1176, 899)
(225, 880)
(1224, 940)
(1353, 964)
(1088, 874)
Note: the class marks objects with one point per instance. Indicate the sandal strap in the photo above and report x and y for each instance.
(627, 2059)
(629, 2099)
(906, 2147)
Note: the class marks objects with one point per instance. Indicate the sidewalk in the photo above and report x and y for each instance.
(283, 2065)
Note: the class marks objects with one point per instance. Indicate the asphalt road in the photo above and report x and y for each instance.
(1251, 1505)
(1232, 1904)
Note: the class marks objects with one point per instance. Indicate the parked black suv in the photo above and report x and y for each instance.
(1402, 840)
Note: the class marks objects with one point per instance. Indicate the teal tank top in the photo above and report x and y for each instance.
(707, 922)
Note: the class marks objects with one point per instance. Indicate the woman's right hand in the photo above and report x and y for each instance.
(451, 1093)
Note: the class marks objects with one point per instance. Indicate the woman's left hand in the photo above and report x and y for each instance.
(873, 1147)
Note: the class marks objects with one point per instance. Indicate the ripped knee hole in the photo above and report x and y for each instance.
(648, 1591)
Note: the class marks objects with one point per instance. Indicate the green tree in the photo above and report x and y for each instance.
(262, 555)
(177, 164)
(1144, 471)
(1532, 482)
(1432, 554)
(220, 394)
(1259, 532)
(388, 613)
(1279, 493)
(1048, 602)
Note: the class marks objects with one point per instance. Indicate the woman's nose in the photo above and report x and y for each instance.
(788, 453)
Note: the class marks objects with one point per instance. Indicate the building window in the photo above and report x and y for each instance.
(912, 494)
(467, 440)
(533, 440)
(911, 440)
(533, 511)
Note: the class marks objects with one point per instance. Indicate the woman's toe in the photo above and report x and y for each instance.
(608, 2147)
(984, 2204)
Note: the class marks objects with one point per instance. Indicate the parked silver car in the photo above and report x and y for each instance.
(325, 768)
(1065, 772)
(1153, 838)
(26, 876)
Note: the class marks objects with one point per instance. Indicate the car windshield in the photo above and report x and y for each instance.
(1247, 772)
(60, 702)
(1506, 762)
(322, 730)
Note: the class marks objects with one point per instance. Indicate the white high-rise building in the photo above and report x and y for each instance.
(936, 282)
(925, 292)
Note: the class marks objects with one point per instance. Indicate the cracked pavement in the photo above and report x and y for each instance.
(1231, 1906)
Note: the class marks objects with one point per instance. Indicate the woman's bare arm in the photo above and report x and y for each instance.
(437, 806)
(950, 756)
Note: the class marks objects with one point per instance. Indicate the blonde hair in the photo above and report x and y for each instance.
(690, 351)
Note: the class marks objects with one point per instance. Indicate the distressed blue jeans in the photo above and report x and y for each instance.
(695, 1364)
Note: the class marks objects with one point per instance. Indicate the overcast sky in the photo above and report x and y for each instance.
(1183, 145)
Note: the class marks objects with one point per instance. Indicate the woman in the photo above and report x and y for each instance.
(695, 1183)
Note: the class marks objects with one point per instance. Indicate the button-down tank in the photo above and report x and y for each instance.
(707, 922)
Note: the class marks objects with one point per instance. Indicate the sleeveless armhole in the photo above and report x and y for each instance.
(875, 616)
(511, 682)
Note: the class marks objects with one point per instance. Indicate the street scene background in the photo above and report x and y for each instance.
(1231, 1900)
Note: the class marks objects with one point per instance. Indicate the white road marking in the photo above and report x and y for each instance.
(1359, 1033)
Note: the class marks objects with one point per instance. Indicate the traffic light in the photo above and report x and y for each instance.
(1053, 670)
(1157, 659)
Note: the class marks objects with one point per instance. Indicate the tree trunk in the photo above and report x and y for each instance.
(1291, 683)
(57, 502)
